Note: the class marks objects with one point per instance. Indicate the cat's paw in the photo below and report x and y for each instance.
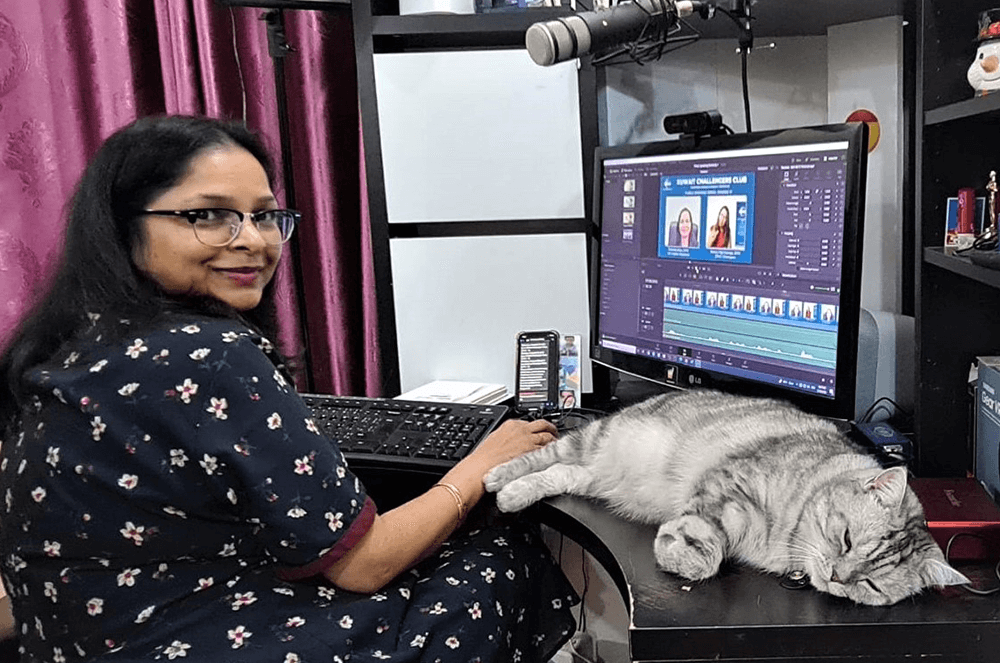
(689, 547)
(516, 496)
(498, 477)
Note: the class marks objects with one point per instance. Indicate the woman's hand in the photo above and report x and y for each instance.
(513, 438)
(713, 234)
(400, 538)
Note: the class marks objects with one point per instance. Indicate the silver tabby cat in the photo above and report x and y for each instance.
(748, 479)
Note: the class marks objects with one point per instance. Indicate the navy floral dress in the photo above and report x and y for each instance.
(169, 497)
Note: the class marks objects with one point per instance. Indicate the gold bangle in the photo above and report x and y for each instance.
(457, 494)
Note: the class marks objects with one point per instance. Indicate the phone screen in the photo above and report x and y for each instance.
(537, 370)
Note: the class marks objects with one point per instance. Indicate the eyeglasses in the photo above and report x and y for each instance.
(220, 226)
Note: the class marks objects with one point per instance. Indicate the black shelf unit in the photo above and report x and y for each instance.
(455, 31)
(379, 29)
(961, 265)
(957, 306)
(968, 109)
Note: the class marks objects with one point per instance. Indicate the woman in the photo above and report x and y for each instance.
(167, 494)
(684, 233)
(719, 233)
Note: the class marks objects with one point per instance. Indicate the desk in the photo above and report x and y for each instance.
(745, 615)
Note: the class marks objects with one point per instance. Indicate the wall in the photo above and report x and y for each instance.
(866, 71)
(706, 75)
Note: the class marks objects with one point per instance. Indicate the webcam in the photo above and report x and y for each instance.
(702, 123)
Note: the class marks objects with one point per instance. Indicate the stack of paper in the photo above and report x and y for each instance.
(455, 391)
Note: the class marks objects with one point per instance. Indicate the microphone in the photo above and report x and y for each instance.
(567, 38)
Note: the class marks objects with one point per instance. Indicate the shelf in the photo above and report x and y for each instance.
(325, 5)
(943, 258)
(497, 29)
(977, 106)
(505, 29)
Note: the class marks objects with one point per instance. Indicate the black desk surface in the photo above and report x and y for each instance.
(746, 615)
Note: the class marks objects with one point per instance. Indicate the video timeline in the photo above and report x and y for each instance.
(751, 305)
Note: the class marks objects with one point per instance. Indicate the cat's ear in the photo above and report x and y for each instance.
(888, 487)
(936, 572)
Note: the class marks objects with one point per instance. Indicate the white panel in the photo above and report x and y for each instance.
(866, 69)
(706, 75)
(479, 135)
(460, 301)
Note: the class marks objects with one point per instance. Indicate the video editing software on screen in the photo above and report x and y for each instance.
(729, 261)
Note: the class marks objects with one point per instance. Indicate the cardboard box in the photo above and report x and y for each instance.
(987, 443)
(961, 512)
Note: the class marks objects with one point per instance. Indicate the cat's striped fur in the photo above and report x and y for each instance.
(749, 479)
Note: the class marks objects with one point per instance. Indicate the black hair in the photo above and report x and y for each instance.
(96, 272)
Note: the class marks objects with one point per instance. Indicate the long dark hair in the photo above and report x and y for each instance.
(96, 272)
(718, 223)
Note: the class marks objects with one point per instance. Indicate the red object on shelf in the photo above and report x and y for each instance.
(966, 211)
(962, 510)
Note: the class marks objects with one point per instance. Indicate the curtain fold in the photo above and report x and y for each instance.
(66, 81)
(322, 94)
(74, 73)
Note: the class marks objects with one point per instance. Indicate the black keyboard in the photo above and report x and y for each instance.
(387, 432)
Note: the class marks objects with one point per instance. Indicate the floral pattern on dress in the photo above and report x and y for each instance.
(163, 489)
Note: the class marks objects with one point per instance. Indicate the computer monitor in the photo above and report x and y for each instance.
(768, 306)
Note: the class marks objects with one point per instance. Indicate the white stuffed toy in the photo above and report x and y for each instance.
(984, 73)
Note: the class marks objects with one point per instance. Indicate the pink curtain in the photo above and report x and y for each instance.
(66, 81)
(338, 281)
(75, 72)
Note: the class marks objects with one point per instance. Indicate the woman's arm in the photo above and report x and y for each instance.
(713, 234)
(400, 538)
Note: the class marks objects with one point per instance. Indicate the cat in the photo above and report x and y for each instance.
(749, 479)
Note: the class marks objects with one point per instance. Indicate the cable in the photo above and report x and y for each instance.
(746, 89)
(577, 655)
(652, 43)
(586, 410)
(996, 569)
(985, 241)
(559, 417)
(746, 45)
(643, 53)
(876, 406)
(239, 65)
(586, 586)
(896, 453)
(582, 637)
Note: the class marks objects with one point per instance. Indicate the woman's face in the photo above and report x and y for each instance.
(724, 217)
(170, 254)
(684, 223)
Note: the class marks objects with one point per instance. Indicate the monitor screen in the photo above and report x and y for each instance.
(734, 263)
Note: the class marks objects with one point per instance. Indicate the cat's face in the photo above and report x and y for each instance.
(865, 539)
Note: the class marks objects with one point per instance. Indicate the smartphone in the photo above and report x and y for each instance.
(536, 388)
